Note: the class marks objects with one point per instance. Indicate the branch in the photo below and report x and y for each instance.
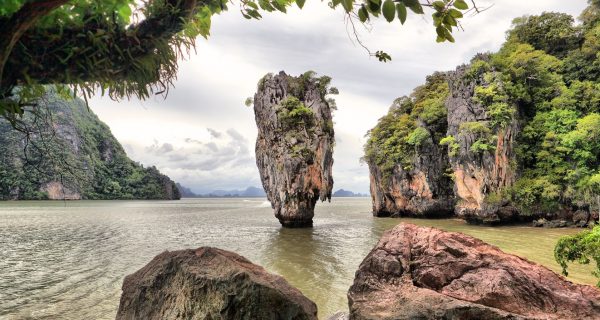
(98, 50)
(14, 27)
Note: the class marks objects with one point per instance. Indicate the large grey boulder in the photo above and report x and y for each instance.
(209, 283)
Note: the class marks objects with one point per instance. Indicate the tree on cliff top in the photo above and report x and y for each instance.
(127, 48)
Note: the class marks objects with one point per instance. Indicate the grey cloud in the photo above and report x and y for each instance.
(236, 135)
(214, 133)
(212, 146)
(178, 157)
(158, 150)
(190, 140)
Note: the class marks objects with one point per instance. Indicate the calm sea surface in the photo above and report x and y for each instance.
(67, 260)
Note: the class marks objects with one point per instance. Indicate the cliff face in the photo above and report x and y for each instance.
(486, 171)
(449, 163)
(294, 147)
(423, 189)
(411, 178)
(71, 154)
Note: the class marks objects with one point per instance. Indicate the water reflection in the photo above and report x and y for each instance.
(308, 260)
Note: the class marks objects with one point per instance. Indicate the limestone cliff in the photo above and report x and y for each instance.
(480, 172)
(71, 154)
(411, 178)
(294, 147)
(451, 154)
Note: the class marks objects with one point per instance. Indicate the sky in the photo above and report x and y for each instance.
(202, 135)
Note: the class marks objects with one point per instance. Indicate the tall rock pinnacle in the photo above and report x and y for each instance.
(294, 147)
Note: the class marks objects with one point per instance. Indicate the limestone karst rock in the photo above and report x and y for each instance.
(210, 283)
(478, 175)
(71, 154)
(425, 273)
(419, 184)
(294, 147)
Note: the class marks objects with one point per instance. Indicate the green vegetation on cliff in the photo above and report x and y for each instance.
(532, 85)
(70, 153)
(410, 122)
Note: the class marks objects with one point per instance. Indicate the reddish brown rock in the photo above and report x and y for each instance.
(209, 283)
(425, 273)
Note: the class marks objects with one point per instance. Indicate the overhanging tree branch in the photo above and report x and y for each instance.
(14, 27)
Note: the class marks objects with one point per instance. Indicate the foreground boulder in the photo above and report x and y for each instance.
(424, 273)
(209, 283)
(294, 147)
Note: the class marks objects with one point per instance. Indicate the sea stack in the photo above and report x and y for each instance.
(294, 147)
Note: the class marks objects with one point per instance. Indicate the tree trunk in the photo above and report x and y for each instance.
(598, 200)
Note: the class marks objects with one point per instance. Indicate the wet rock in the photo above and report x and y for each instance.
(209, 283)
(294, 147)
(425, 273)
(539, 223)
(581, 218)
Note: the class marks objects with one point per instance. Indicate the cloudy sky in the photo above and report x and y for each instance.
(202, 135)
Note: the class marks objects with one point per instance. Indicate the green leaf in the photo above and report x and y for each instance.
(437, 19)
(448, 20)
(401, 8)
(125, 13)
(440, 32)
(300, 3)
(461, 4)
(389, 10)
(335, 3)
(414, 5)
(439, 5)
(448, 35)
(455, 13)
(375, 7)
(347, 4)
(279, 6)
(363, 14)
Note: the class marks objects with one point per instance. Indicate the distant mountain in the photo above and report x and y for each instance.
(186, 192)
(347, 193)
(250, 192)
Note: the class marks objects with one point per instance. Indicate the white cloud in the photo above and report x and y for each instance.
(212, 133)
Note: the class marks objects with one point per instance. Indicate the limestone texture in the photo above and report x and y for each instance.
(294, 147)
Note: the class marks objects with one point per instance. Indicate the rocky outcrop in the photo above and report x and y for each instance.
(465, 157)
(70, 154)
(424, 273)
(421, 191)
(479, 173)
(294, 147)
(418, 184)
(209, 283)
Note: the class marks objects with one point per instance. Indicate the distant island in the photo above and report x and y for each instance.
(348, 194)
(250, 192)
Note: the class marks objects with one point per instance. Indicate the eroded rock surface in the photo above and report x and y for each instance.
(479, 174)
(294, 147)
(418, 183)
(425, 273)
(209, 283)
